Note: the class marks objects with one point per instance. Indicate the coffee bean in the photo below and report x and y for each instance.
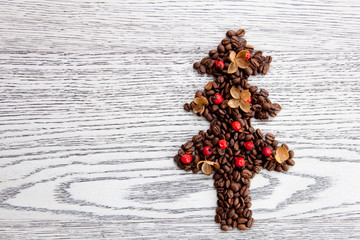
(202, 69)
(235, 186)
(254, 63)
(264, 93)
(246, 173)
(276, 106)
(187, 107)
(250, 223)
(270, 136)
(230, 33)
(196, 65)
(242, 42)
(240, 32)
(268, 59)
(228, 47)
(248, 71)
(221, 48)
(188, 145)
(291, 154)
(266, 106)
(217, 218)
(290, 162)
(265, 68)
(241, 227)
(225, 227)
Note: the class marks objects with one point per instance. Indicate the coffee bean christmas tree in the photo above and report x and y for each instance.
(232, 147)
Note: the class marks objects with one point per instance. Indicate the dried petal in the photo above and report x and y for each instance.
(245, 106)
(241, 60)
(245, 95)
(201, 100)
(242, 54)
(200, 163)
(206, 169)
(242, 63)
(281, 155)
(233, 103)
(235, 93)
(232, 56)
(232, 67)
(199, 108)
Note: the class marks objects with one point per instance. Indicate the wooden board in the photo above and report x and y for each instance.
(91, 116)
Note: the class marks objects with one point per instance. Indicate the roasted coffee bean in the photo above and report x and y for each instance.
(264, 93)
(242, 220)
(265, 68)
(291, 154)
(241, 227)
(246, 173)
(235, 186)
(248, 71)
(196, 65)
(202, 69)
(188, 145)
(228, 47)
(230, 33)
(225, 227)
(268, 59)
(250, 223)
(240, 32)
(270, 136)
(254, 63)
(242, 42)
(290, 162)
(187, 107)
(225, 41)
(276, 106)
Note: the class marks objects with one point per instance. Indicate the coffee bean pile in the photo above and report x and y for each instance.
(231, 181)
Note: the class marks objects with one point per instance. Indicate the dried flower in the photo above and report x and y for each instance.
(206, 166)
(240, 99)
(281, 155)
(238, 60)
(200, 104)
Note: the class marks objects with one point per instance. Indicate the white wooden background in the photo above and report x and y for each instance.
(91, 116)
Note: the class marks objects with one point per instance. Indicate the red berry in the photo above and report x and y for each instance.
(247, 56)
(222, 143)
(267, 151)
(239, 161)
(236, 125)
(248, 145)
(218, 99)
(186, 158)
(249, 100)
(207, 151)
(219, 64)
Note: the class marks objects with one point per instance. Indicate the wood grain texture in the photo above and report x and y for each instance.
(91, 117)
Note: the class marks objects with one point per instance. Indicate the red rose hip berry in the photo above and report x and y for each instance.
(207, 151)
(218, 99)
(248, 146)
(267, 151)
(248, 55)
(219, 64)
(222, 143)
(239, 161)
(249, 100)
(236, 125)
(186, 158)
